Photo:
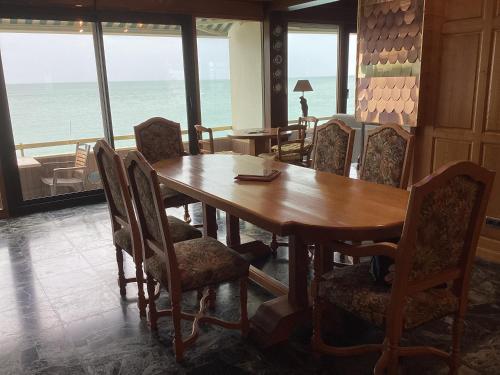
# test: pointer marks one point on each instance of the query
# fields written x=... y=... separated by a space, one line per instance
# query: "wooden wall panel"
x=446 y=150
x=491 y=160
x=464 y=9
x=493 y=110
x=458 y=80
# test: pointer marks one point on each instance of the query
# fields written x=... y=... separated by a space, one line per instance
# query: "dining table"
x=308 y=206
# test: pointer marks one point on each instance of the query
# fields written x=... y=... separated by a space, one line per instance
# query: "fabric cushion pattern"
x=443 y=222
x=160 y=141
x=123 y=239
x=202 y=262
x=114 y=185
x=384 y=158
x=331 y=149
x=352 y=289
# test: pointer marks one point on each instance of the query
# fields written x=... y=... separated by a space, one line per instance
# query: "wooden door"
x=462 y=112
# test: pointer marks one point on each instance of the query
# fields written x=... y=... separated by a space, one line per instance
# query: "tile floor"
x=61 y=312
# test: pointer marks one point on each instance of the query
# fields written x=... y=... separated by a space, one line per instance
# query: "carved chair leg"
x=457 y=331
x=141 y=299
x=243 y=306
x=274 y=246
x=187 y=216
x=153 y=315
x=177 y=320
x=121 y=274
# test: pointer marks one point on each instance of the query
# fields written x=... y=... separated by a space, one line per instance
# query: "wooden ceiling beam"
x=292 y=5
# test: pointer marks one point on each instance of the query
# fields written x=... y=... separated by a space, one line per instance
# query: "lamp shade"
x=303 y=85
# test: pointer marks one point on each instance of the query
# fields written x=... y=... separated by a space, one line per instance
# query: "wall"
x=245 y=56
x=461 y=111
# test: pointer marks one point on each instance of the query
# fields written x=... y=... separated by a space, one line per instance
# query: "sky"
x=45 y=58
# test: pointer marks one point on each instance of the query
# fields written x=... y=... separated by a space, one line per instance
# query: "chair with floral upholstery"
x=159 y=139
x=387 y=156
x=125 y=230
x=198 y=264
x=332 y=149
x=432 y=268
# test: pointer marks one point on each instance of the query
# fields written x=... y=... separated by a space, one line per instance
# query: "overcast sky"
x=38 y=58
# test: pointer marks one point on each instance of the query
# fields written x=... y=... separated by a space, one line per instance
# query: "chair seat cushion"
x=352 y=289
x=202 y=262
x=293 y=147
x=179 y=230
x=284 y=158
x=173 y=198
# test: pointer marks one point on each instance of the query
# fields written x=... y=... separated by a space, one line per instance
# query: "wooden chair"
x=311 y=123
x=332 y=149
x=289 y=149
x=126 y=236
x=73 y=177
x=189 y=265
x=159 y=139
x=387 y=156
x=433 y=263
x=206 y=146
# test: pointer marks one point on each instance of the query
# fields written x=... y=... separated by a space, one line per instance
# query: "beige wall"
x=245 y=53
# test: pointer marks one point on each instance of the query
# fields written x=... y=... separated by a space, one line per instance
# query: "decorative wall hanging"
x=278 y=34
x=389 y=61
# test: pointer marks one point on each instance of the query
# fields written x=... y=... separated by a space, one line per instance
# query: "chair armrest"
x=58 y=171
x=54 y=163
x=387 y=249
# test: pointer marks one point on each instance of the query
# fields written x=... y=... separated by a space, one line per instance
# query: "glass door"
x=145 y=71
x=53 y=96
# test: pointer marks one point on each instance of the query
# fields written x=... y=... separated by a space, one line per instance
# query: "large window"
x=50 y=73
x=145 y=73
x=312 y=56
x=230 y=71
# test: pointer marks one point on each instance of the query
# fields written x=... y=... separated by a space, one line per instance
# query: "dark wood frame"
x=409 y=139
x=403 y=287
x=170 y=270
x=117 y=222
x=201 y=142
x=350 y=142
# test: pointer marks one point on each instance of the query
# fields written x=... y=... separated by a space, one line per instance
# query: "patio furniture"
x=206 y=146
x=73 y=177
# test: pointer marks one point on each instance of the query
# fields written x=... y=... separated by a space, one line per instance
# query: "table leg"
x=209 y=221
x=232 y=231
x=275 y=319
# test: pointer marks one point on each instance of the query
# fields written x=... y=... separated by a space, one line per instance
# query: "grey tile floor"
x=61 y=312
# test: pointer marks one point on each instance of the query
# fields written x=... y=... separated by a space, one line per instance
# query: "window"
x=230 y=71
x=145 y=70
x=312 y=55
x=53 y=95
x=351 y=79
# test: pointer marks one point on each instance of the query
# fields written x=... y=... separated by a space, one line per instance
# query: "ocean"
x=60 y=111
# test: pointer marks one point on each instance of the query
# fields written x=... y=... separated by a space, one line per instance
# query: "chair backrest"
x=115 y=185
x=445 y=216
x=82 y=155
x=202 y=143
x=332 y=148
x=387 y=156
x=311 y=123
x=158 y=139
x=299 y=132
x=152 y=219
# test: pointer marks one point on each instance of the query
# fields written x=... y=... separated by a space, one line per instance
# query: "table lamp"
x=303 y=85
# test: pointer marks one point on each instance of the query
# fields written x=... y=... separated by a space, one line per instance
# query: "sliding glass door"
x=145 y=71
x=53 y=97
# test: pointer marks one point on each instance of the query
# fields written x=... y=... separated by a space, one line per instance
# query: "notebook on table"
x=265 y=175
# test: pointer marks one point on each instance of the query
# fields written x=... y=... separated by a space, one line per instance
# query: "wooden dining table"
x=259 y=138
x=309 y=207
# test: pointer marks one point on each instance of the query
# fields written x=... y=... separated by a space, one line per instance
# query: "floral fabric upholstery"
x=353 y=290
x=160 y=141
x=202 y=262
x=443 y=222
x=293 y=147
x=179 y=231
x=114 y=185
x=287 y=158
x=331 y=149
x=384 y=158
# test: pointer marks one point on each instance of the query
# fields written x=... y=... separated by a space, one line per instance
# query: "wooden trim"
x=342 y=69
